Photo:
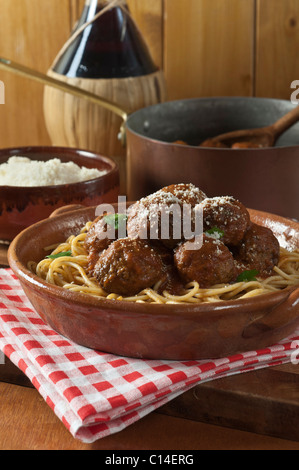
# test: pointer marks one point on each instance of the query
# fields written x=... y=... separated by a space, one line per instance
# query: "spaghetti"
x=69 y=271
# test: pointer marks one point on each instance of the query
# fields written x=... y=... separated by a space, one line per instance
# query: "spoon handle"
x=286 y=121
x=8 y=65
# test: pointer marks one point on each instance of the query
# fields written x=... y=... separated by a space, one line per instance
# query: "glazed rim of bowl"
x=264 y=301
x=96 y=157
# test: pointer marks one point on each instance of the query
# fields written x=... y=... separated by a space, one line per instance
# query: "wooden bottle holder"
x=73 y=122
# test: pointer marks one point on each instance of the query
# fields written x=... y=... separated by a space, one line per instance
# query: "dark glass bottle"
x=110 y=47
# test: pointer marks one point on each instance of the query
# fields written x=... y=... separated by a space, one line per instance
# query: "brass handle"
x=8 y=65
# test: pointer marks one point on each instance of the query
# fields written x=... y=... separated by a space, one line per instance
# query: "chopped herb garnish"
x=215 y=231
x=115 y=220
x=60 y=255
x=248 y=276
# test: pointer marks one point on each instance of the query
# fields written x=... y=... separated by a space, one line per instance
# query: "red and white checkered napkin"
x=96 y=394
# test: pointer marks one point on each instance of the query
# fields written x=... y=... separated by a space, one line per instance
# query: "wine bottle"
x=110 y=47
x=106 y=55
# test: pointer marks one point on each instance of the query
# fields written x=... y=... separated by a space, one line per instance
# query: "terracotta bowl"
x=154 y=331
x=21 y=207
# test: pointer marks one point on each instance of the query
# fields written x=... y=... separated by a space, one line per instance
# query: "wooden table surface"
x=27 y=423
x=255 y=411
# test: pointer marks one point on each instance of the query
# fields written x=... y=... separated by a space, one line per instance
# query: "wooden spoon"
x=254 y=138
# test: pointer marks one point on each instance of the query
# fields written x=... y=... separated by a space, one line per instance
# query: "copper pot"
x=264 y=179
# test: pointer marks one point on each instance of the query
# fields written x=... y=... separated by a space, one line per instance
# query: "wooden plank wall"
x=205 y=47
x=208 y=47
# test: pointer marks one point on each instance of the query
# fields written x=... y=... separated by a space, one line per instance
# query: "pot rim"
x=133 y=115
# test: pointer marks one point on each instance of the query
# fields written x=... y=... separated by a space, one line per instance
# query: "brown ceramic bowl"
x=21 y=207
x=154 y=331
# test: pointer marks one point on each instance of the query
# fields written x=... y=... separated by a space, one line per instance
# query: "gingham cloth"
x=96 y=394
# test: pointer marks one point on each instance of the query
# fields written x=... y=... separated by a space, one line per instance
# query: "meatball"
x=228 y=215
x=160 y=216
x=259 y=250
x=209 y=265
x=128 y=266
x=171 y=281
x=101 y=234
x=96 y=241
x=186 y=193
x=157 y=217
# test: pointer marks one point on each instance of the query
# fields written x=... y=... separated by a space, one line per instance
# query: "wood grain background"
x=205 y=47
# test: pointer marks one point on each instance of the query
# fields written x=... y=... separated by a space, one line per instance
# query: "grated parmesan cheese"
x=21 y=171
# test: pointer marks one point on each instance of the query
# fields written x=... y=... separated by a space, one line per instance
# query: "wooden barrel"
x=73 y=122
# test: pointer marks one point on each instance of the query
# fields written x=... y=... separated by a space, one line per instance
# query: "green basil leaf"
x=248 y=276
x=60 y=255
x=115 y=220
x=215 y=230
